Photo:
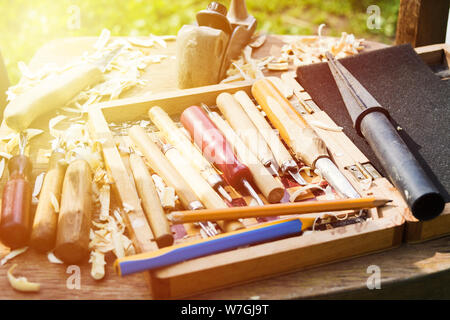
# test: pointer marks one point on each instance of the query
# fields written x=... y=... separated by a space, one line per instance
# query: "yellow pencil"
x=278 y=209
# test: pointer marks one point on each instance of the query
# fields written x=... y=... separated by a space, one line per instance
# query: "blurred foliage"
x=26 y=25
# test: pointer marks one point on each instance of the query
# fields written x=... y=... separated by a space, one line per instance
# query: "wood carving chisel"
x=246 y=130
x=54 y=92
x=74 y=222
x=217 y=149
x=43 y=234
x=372 y=122
x=201 y=188
x=281 y=154
x=150 y=201
x=300 y=136
x=159 y=163
x=227 y=241
x=16 y=223
x=178 y=139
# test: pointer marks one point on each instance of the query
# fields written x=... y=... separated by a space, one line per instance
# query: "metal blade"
x=224 y=193
x=252 y=192
x=336 y=179
x=103 y=63
x=297 y=177
x=345 y=79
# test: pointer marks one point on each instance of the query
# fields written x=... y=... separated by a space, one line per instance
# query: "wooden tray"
x=383 y=231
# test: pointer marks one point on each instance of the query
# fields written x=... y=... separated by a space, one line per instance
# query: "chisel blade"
x=350 y=88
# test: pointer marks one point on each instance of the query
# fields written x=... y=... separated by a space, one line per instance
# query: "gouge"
x=178 y=139
x=270 y=187
x=74 y=222
x=300 y=136
x=15 y=223
x=246 y=130
x=43 y=234
x=227 y=241
x=281 y=154
x=164 y=168
x=201 y=188
x=54 y=92
x=150 y=201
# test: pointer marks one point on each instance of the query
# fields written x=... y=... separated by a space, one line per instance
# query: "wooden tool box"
x=382 y=230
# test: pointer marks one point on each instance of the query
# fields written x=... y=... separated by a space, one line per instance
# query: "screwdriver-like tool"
x=281 y=154
x=43 y=234
x=300 y=136
x=246 y=130
x=200 y=187
x=178 y=139
x=15 y=223
x=372 y=122
x=217 y=149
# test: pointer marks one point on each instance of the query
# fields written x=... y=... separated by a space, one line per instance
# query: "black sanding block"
x=417 y=100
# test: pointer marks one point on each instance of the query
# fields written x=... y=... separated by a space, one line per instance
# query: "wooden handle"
x=74 y=223
x=150 y=202
x=270 y=187
x=302 y=139
x=244 y=127
x=15 y=222
x=177 y=138
x=281 y=154
x=162 y=167
x=43 y=234
x=50 y=94
x=201 y=188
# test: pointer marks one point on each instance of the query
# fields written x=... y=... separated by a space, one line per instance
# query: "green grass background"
x=25 y=25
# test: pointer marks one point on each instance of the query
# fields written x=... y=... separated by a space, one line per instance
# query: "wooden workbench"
x=410 y=271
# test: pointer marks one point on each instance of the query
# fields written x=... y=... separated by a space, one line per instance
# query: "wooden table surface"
x=409 y=271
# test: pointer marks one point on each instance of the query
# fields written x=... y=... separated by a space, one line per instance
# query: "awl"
x=371 y=121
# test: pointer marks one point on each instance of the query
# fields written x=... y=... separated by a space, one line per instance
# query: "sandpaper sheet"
x=417 y=100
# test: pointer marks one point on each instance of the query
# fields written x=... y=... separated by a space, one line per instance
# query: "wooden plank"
x=422 y=22
x=173 y=102
x=124 y=186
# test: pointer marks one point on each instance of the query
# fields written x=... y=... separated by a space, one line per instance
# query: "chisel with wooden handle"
x=159 y=163
x=178 y=139
x=184 y=251
x=271 y=188
x=245 y=129
x=217 y=149
x=74 y=222
x=15 y=223
x=54 y=92
x=150 y=201
x=300 y=136
x=43 y=234
x=201 y=188
x=281 y=154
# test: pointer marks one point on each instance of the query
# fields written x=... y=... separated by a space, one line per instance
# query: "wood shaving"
x=38 y=184
x=21 y=283
x=12 y=255
x=53 y=259
x=283 y=66
x=97 y=259
x=303 y=191
x=6 y=155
